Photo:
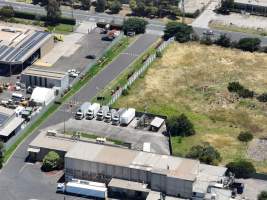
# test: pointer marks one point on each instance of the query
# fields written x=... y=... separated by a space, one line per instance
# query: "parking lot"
x=159 y=142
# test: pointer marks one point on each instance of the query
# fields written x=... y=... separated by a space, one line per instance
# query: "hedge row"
x=32 y=16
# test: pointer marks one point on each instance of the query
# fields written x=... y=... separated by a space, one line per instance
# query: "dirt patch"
x=258 y=149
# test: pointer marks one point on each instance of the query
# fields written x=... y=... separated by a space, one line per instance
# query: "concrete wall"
x=47 y=46
x=158 y=182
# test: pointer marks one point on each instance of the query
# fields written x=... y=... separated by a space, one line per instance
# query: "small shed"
x=156 y=124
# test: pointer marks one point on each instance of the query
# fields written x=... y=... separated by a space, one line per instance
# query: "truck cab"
x=61 y=188
x=79 y=115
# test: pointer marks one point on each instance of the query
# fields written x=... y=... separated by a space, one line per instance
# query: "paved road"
x=201 y=25
x=22 y=181
x=80 y=15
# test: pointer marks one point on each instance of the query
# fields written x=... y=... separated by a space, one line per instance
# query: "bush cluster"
x=240 y=90
x=205 y=153
x=241 y=169
x=180 y=126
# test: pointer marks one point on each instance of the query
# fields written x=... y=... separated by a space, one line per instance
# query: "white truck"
x=92 y=111
x=83 y=188
x=82 y=110
x=127 y=116
x=109 y=115
x=116 y=117
x=102 y=113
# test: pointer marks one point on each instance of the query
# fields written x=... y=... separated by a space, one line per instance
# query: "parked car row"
x=104 y=113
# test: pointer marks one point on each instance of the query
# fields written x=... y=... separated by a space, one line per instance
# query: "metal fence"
x=137 y=74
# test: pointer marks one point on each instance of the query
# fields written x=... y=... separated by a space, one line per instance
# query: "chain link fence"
x=137 y=74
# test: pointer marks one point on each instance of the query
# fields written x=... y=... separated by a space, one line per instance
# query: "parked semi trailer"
x=83 y=188
x=127 y=116
x=92 y=111
x=116 y=117
x=102 y=113
x=82 y=110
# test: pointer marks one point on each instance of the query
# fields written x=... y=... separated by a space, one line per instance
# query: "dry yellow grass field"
x=192 y=79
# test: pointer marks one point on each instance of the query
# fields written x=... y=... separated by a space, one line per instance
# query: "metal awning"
x=33 y=150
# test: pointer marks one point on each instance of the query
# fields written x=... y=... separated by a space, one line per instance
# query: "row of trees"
x=185 y=33
x=153 y=8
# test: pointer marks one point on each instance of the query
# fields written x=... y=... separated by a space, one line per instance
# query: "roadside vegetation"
x=107 y=58
x=53 y=22
x=195 y=80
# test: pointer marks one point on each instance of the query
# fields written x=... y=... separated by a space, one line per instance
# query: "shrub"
x=245 y=136
x=158 y=54
x=241 y=168
x=223 y=41
x=51 y=161
x=205 y=153
x=234 y=87
x=125 y=92
x=206 y=40
x=245 y=93
x=134 y=24
x=262 y=195
x=7 y=12
x=180 y=125
x=262 y=97
x=249 y=44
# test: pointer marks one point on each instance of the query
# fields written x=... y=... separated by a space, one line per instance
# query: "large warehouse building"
x=121 y=168
x=20 y=47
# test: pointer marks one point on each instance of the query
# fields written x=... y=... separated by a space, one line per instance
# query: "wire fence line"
x=137 y=74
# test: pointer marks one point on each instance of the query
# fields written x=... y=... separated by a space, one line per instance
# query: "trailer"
x=83 y=188
x=109 y=115
x=92 y=111
x=116 y=117
x=82 y=110
x=127 y=116
x=102 y=113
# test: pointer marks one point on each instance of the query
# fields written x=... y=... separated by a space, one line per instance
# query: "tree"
x=7 y=12
x=241 y=168
x=262 y=97
x=1 y=154
x=134 y=24
x=245 y=93
x=205 y=153
x=181 y=32
x=223 y=41
x=262 y=195
x=53 y=11
x=86 y=4
x=115 y=7
x=245 y=136
x=180 y=126
x=101 y=5
x=249 y=44
x=52 y=161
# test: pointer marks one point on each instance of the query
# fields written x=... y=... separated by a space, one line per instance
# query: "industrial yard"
x=201 y=74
